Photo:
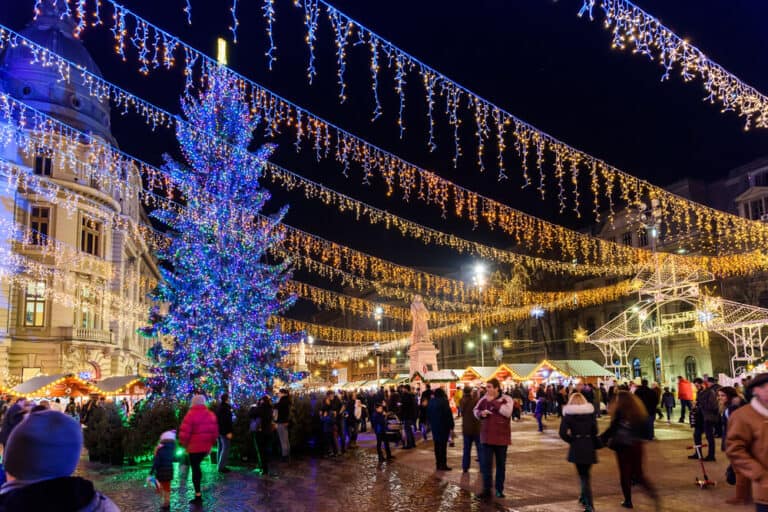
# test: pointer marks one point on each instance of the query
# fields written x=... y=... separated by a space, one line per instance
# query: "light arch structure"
x=664 y=284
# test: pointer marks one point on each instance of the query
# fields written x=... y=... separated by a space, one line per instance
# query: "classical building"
x=75 y=282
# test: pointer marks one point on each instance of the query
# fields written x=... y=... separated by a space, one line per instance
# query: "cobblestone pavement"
x=538 y=479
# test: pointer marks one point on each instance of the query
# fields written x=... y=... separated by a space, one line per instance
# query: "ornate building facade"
x=73 y=289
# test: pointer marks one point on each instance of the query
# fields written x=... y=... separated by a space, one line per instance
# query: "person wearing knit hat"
x=198 y=433
x=41 y=454
x=162 y=466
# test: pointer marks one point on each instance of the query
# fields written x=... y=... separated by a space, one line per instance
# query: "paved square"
x=538 y=479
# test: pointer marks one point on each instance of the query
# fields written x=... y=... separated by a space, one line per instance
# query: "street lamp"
x=479 y=279
x=378 y=314
x=651 y=220
x=310 y=339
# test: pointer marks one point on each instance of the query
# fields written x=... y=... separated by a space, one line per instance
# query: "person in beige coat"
x=747 y=441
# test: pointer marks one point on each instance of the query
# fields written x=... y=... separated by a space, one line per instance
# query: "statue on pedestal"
x=422 y=353
x=420 y=316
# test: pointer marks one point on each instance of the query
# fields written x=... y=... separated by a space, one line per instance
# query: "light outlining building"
x=74 y=284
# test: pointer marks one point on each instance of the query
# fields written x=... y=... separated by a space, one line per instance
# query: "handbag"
x=622 y=437
x=730 y=475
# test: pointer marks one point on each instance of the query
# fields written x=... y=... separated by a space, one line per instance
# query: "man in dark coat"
x=441 y=421
x=224 y=419
x=283 y=417
x=408 y=415
x=470 y=426
x=650 y=400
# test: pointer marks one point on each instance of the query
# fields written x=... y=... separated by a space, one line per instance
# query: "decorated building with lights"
x=75 y=278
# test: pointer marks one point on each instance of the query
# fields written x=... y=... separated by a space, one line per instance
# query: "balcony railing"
x=83 y=334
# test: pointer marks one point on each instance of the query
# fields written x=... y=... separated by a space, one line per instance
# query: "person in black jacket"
x=283 y=417
x=379 y=426
x=162 y=466
x=12 y=417
x=408 y=415
x=651 y=401
x=264 y=431
x=224 y=419
x=578 y=428
x=441 y=420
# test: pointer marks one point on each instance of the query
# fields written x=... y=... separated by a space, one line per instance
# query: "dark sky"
x=533 y=57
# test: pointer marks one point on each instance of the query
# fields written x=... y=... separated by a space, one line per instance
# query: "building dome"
x=41 y=88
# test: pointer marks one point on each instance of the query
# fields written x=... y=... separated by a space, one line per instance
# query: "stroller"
x=394 y=429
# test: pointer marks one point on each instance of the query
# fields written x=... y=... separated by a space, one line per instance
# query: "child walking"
x=162 y=466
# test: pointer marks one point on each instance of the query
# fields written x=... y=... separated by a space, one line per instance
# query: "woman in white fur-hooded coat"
x=578 y=428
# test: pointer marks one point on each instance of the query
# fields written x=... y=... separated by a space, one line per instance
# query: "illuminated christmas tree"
x=221 y=289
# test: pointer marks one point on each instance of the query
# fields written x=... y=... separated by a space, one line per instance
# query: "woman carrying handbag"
x=624 y=436
x=578 y=428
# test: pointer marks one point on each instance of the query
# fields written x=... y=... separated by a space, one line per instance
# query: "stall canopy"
x=569 y=368
x=122 y=385
x=440 y=376
x=513 y=371
x=61 y=385
x=473 y=373
x=400 y=378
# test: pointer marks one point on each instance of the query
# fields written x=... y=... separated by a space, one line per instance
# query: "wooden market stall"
x=512 y=373
x=63 y=385
x=476 y=375
x=567 y=370
x=124 y=389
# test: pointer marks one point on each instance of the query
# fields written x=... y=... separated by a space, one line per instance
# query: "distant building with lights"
x=63 y=299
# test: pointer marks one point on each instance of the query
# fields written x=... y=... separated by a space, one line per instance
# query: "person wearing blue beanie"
x=41 y=454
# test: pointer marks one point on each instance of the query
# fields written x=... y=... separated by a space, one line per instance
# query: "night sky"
x=535 y=58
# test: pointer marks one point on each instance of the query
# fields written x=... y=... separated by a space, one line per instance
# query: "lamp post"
x=479 y=279
x=378 y=314
x=651 y=219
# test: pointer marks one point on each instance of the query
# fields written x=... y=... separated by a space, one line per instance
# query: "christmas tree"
x=220 y=288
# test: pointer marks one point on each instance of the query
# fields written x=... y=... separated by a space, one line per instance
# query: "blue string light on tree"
x=221 y=290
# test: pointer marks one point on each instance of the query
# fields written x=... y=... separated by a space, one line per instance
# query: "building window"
x=39 y=220
x=520 y=332
x=89 y=310
x=43 y=162
x=626 y=238
x=690 y=368
x=637 y=370
x=591 y=325
x=90 y=236
x=642 y=237
x=757 y=209
x=34 y=304
x=658 y=369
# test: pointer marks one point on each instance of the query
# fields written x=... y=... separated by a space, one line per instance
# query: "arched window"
x=690 y=368
x=617 y=369
x=637 y=370
x=762 y=299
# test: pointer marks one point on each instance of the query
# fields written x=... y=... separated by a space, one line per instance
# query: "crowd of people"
x=42 y=442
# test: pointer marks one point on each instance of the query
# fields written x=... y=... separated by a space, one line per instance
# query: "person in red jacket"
x=198 y=433
x=494 y=410
x=685 y=395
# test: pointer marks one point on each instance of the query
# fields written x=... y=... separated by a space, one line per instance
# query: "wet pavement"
x=538 y=479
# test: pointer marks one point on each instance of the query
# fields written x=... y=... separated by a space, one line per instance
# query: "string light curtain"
x=493 y=212
x=635 y=29
x=540 y=153
x=329 y=141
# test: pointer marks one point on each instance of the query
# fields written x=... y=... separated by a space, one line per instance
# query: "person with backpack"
x=706 y=414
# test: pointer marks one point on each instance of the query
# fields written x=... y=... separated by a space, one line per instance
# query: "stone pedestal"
x=423 y=357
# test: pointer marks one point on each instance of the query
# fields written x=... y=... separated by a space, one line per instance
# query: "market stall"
x=566 y=371
x=125 y=390
x=512 y=373
x=476 y=375
x=63 y=385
